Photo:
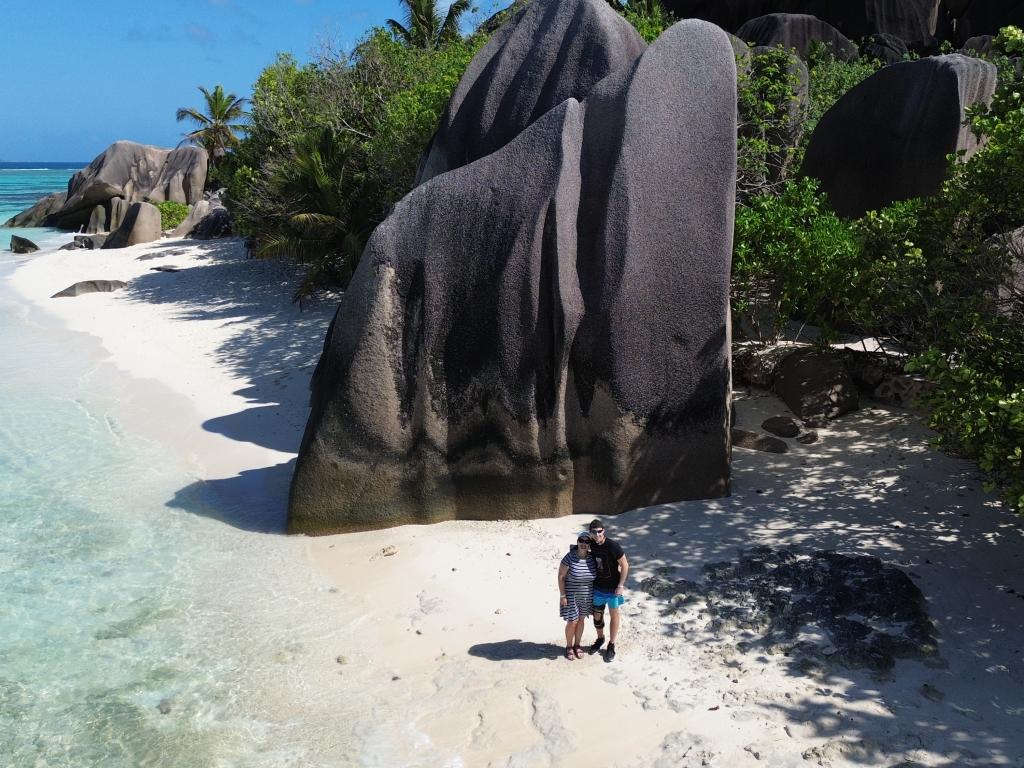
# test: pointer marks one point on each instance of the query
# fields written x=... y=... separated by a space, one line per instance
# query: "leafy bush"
x=334 y=145
x=792 y=257
x=771 y=90
x=171 y=214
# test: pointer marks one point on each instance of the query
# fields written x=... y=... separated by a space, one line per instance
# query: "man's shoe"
x=609 y=655
x=597 y=645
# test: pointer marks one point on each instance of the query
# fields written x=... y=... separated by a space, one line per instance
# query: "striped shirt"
x=579 y=585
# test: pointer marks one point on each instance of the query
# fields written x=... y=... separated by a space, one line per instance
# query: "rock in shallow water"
x=22 y=245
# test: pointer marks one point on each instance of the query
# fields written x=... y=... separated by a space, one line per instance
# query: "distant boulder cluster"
x=541 y=327
x=113 y=198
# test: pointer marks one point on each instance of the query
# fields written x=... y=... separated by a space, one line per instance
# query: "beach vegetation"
x=171 y=214
x=649 y=17
x=218 y=122
x=334 y=144
x=425 y=26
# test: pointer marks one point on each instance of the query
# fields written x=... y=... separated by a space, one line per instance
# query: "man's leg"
x=599 y=626
x=613 y=629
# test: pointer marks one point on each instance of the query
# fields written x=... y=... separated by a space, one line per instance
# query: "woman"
x=576 y=575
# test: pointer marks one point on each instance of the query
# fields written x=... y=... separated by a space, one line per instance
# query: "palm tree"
x=216 y=131
x=424 y=27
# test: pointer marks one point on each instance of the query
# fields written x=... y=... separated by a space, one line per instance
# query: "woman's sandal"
x=569 y=653
x=578 y=651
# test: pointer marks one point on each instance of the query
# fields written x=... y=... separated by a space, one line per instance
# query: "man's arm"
x=623 y=571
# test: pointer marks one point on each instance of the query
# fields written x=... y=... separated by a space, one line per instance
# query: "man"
x=612 y=569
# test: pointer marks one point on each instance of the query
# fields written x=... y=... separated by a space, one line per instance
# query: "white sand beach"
x=445 y=640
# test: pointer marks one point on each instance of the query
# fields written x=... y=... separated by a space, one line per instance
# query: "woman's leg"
x=570 y=632
x=580 y=625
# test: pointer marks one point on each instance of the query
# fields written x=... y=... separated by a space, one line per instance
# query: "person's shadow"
x=516 y=650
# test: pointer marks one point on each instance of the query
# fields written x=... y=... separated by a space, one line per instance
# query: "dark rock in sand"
x=216 y=223
x=816 y=386
x=797 y=31
x=551 y=51
x=808 y=438
x=865 y=613
x=752 y=441
x=85 y=242
x=97 y=220
x=166 y=268
x=90 y=286
x=887 y=139
x=783 y=426
x=493 y=355
x=23 y=245
x=141 y=225
x=888 y=49
x=37 y=215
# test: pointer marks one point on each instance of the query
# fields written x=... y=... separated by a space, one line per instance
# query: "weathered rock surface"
x=888 y=49
x=132 y=172
x=987 y=17
x=862 y=612
x=118 y=210
x=816 y=386
x=797 y=31
x=97 y=220
x=141 y=225
x=783 y=426
x=218 y=222
x=23 y=245
x=492 y=357
x=195 y=215
x=887 y=139
x=90 y=286
x=85 y=242
x=553 y=50
x=918 y=22
x=38 y=213
x=752 y=441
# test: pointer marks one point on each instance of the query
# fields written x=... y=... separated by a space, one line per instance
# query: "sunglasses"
x=597 y=530
x=583 y=541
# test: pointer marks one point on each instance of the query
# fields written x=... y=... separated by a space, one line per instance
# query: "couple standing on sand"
x=590 y=578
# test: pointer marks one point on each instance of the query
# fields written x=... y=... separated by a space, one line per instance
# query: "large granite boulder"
x=651 y=359
x=22 y=245
x=887 y=139
x=38 y=213
x=797 y=31
x=987 y=17
x=182 y=176
x=441 y=391
x=132 y=172
x=141 y=225
x=544 y=330
x=551 y=51
x=918 y=22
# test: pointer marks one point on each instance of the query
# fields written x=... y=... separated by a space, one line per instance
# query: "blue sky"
x=76 y=76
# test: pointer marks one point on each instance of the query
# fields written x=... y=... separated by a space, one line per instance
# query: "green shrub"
x=171 y=214
x=792 y=257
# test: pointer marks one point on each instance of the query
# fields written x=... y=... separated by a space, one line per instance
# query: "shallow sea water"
x=136 y=628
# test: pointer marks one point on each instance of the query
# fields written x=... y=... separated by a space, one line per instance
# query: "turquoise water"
x=21 y=186
x=136 y=628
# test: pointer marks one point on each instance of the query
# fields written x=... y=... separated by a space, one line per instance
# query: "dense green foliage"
x=218 y=125
x=334 y=145
x=171 y=214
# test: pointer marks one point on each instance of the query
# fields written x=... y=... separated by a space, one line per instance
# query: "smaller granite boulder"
x=141 y=225
x=217 y=223
x=118 y=210
x=36 y=215
x=23 y=245
x=90 y=286
x=798 y=31
x=816 y=386
x=752 y=441
x=888 y=49
x=97 y=220
x=783 y=426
